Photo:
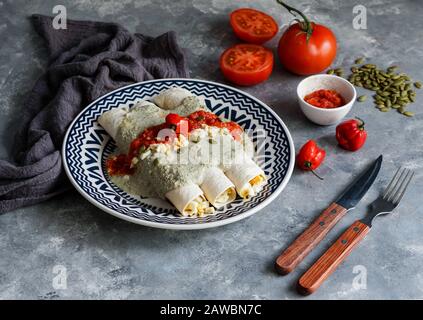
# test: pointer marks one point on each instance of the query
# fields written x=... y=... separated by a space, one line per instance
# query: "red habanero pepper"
x=351 y=134
x=310 y=157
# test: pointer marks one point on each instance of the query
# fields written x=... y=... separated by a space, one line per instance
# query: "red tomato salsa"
x=326 y=99
x=122 y=164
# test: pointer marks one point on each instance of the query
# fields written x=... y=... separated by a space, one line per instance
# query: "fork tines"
x=399 y=183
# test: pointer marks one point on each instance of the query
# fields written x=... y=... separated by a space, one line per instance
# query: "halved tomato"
x=246 y=64
x=253 y=26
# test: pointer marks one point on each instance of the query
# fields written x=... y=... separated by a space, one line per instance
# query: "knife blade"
x=318 y=229
x=353 y=194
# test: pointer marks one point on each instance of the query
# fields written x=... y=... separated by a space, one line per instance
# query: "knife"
x=320 y=227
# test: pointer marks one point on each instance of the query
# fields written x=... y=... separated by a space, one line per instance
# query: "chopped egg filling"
x=225 y=196
x=253 y=187
x=198 y=207
x=168 y=150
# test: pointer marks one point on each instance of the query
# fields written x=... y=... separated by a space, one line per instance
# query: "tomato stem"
x=305 y=25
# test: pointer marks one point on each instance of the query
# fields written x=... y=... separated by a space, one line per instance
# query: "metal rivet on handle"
x=321 y=223
x=333 y=211
x=356 y=229
x=343 y=241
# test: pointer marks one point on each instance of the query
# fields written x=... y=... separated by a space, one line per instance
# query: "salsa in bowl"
x=325 y=99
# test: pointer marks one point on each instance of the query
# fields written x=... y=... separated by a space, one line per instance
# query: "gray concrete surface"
x=109 y=258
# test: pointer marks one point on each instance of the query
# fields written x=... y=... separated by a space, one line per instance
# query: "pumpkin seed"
x=369 y=66
x=408 y=113
x=362 y=98
x=392 y=89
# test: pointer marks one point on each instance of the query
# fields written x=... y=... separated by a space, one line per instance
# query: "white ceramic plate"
x=86 y=147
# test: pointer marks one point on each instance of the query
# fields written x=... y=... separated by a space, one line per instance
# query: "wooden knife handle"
x=329 y=261
x=302 y=246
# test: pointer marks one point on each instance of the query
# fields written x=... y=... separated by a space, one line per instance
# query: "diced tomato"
x=121 y=164
x=173 y=118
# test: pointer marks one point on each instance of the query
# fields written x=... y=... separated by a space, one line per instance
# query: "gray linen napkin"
x=87 y=60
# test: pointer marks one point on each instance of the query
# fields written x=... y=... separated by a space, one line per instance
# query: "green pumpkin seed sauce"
x=161 y=168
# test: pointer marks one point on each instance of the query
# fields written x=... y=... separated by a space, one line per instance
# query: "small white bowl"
x=329 y=82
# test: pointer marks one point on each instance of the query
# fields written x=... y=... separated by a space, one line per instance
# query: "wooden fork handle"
x=329 y=261
x=302 y=246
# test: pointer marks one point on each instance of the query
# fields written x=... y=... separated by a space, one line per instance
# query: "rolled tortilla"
x=111 y=120
x=124 y=124
x=219 y=190
x=247 y=177
x=190 y=201
x=171 y=98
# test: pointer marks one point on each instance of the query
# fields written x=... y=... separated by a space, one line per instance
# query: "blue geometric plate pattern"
x=86 y=147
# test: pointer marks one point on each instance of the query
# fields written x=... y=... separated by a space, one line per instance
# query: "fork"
x=311 y=280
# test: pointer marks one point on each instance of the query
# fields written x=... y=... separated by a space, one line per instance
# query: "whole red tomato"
x=306 y=47
x=351 y=134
